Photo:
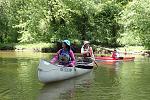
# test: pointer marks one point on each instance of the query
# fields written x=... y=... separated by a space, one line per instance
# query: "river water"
x=110 y=81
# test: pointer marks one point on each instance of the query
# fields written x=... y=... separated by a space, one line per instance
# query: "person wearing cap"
x=115 y=54
x=87 y=50
x=64 y=56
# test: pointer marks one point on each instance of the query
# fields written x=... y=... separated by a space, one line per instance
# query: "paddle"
x=95 y=63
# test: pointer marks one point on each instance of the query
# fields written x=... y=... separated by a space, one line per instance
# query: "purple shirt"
x=71 y=63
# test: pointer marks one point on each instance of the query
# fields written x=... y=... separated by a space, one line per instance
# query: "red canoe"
x=108 y=58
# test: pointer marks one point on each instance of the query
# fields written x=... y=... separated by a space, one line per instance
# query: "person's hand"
x=69 y=65
x=51 y=62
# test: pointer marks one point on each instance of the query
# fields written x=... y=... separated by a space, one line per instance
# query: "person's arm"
x=55 y=58
x=117 y=54
x=92 y=54
x=112 y=54
x=82 y=50
x=72 y=63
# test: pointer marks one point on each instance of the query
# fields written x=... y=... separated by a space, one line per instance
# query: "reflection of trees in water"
x=145 y=59
x=108 y=70
x=67 y=89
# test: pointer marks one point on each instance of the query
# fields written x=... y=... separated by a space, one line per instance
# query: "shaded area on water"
x=18 y=78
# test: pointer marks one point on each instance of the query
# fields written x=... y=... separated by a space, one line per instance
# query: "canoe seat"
x=84 y=67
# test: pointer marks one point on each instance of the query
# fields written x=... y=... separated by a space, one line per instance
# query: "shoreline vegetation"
x=36 y=47
x=54 y=47
x=24 y=24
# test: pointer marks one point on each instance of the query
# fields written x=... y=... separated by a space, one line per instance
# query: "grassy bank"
x=51 y=47
x=103 y=51
x=128 y=48
x=132 y=48
x=41 y=47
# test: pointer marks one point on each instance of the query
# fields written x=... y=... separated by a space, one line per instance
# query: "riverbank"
x=36 y=47
x=54 y=47
x=133 y=50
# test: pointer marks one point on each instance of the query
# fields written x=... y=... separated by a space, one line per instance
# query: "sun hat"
x=86 y=42
x=67 y=42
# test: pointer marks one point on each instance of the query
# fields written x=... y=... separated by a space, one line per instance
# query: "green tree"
x=53 y=20
x=136 y=21
x=3 y=22
x=106 y=24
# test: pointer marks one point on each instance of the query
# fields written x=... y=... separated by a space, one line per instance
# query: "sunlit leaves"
x=136 y=18
x=41 y=20
x=95 y=20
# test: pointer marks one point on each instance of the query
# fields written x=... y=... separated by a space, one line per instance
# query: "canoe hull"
x=50 y=73
x=107 y=58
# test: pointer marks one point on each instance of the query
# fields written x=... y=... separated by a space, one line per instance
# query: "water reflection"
x=25 y=55
x=111 y=81
x=111 y=65
x=134 y=81
x=18 y=78
x=65 y=90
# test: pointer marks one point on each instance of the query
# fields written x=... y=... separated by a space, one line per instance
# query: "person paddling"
x=87 y=51
x=64 y=56
x=115 y=54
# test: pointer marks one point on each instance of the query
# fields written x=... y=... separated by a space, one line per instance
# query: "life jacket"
x=87 y=54
x=64 y=57
x=114 y=54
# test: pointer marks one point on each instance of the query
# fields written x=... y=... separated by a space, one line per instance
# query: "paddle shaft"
x=95 y=63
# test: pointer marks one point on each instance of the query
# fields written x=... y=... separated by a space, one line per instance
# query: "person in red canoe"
x=115 y=54
x=64 y=56
x=87 y=51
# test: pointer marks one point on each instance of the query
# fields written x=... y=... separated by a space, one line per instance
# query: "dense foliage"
x=107 y=23
x=136 y=20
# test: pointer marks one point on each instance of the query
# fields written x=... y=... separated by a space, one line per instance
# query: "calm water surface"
x=110 y=81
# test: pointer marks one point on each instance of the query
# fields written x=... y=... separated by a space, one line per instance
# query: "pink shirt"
x=72 y=62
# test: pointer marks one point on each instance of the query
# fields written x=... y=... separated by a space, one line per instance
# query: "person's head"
x=115 y=50
x=86 y=43
x=66 y=44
